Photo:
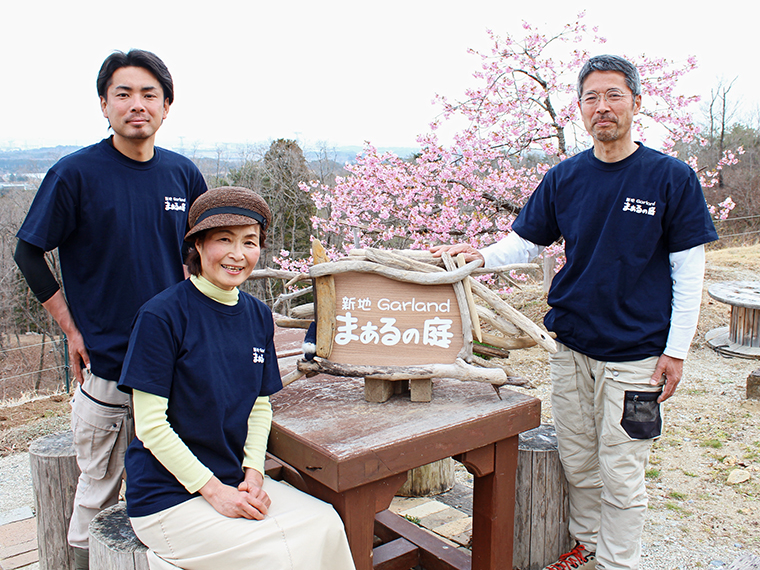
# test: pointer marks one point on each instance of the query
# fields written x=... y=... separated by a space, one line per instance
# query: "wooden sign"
x=380 y=321
x=395 y=319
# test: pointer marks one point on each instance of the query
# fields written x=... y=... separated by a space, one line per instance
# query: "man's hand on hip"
x=668 y=371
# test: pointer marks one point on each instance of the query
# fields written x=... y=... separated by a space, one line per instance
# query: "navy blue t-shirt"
x=620 y=221
x=211 y=361
x=118 y=225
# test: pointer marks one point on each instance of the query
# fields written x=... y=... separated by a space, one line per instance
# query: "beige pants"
x=298 y=533
x=101 y=436
x=604 y=465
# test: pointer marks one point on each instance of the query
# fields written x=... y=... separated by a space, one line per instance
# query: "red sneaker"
x=577 y=559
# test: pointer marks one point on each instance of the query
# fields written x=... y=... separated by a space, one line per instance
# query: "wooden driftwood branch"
x=283 y=297
x=470 y=302
x=497 y=322
x=288 y=323
x=268 y=273
x=418 y=255
x=466 y=352
x=399 y=261
x=298 y=278
x=423 y=257
x=292 y=377
x=417 y=277
x=491 y=351
x=460 y=370
x=305 y=311
x=508 y=343
x=511 y=379
x=324 y=289
x=521 y=321
x=518 y=267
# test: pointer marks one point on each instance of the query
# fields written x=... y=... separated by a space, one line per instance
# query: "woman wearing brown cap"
x=201 y=366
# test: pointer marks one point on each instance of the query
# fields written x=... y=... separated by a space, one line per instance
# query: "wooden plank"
x=417 y=311
x=352 y=441
x=399 y=554
x=434 y=553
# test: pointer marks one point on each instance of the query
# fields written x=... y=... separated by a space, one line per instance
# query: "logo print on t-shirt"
x=174 y=203
x=638 y=206
x=258 y=355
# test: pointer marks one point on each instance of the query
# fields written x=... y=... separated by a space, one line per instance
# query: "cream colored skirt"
x=298 y=533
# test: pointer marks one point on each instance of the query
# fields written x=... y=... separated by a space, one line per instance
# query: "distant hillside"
x=347 y=154
x=32 y=161
x=39 y=160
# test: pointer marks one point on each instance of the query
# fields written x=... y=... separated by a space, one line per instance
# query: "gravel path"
x=15 y=483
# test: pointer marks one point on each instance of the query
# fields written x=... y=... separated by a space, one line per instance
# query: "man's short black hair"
x=611 y=63
x=136 y=58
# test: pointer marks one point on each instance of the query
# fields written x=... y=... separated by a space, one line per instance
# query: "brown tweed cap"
x=228 y=206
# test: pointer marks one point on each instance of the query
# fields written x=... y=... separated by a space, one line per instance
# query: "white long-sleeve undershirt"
x=687 y=269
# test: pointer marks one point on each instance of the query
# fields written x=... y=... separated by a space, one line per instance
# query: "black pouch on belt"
x=641 y=415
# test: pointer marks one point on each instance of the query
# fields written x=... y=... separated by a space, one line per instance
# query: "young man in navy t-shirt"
x=117 y=212
x=624 y=307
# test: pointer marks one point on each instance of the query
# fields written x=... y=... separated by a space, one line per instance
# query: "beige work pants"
x=606 y=417
x=101 y=436
x=299 y=532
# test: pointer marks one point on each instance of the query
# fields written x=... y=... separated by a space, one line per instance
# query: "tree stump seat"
x=113 y=544
x=541 y=501
x=55 y=473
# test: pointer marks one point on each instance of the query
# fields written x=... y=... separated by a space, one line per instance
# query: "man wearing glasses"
x=624 y=307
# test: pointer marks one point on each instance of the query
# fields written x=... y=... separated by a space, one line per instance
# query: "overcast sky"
x=323 y=70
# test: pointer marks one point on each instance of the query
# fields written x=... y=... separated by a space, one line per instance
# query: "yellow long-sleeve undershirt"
x=153 y=429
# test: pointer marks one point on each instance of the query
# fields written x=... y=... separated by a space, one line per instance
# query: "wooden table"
x=355 y=455
x=742 y=336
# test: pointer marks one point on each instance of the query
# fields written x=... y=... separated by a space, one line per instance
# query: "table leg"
x=493 y=509
x=358 y=507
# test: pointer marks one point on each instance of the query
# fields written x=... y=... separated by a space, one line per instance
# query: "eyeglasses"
x=613 y=96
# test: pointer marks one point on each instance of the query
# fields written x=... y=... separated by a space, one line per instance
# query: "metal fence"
x=33 y=364
x=740 y=229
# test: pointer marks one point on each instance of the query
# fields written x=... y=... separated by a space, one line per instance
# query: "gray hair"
x=611 y=63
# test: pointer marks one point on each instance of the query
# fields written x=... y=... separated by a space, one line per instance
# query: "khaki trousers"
x=102 y=432
x=298 y=533
x=604 y=465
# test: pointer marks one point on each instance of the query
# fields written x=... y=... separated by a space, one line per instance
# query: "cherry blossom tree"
x=521 y=118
